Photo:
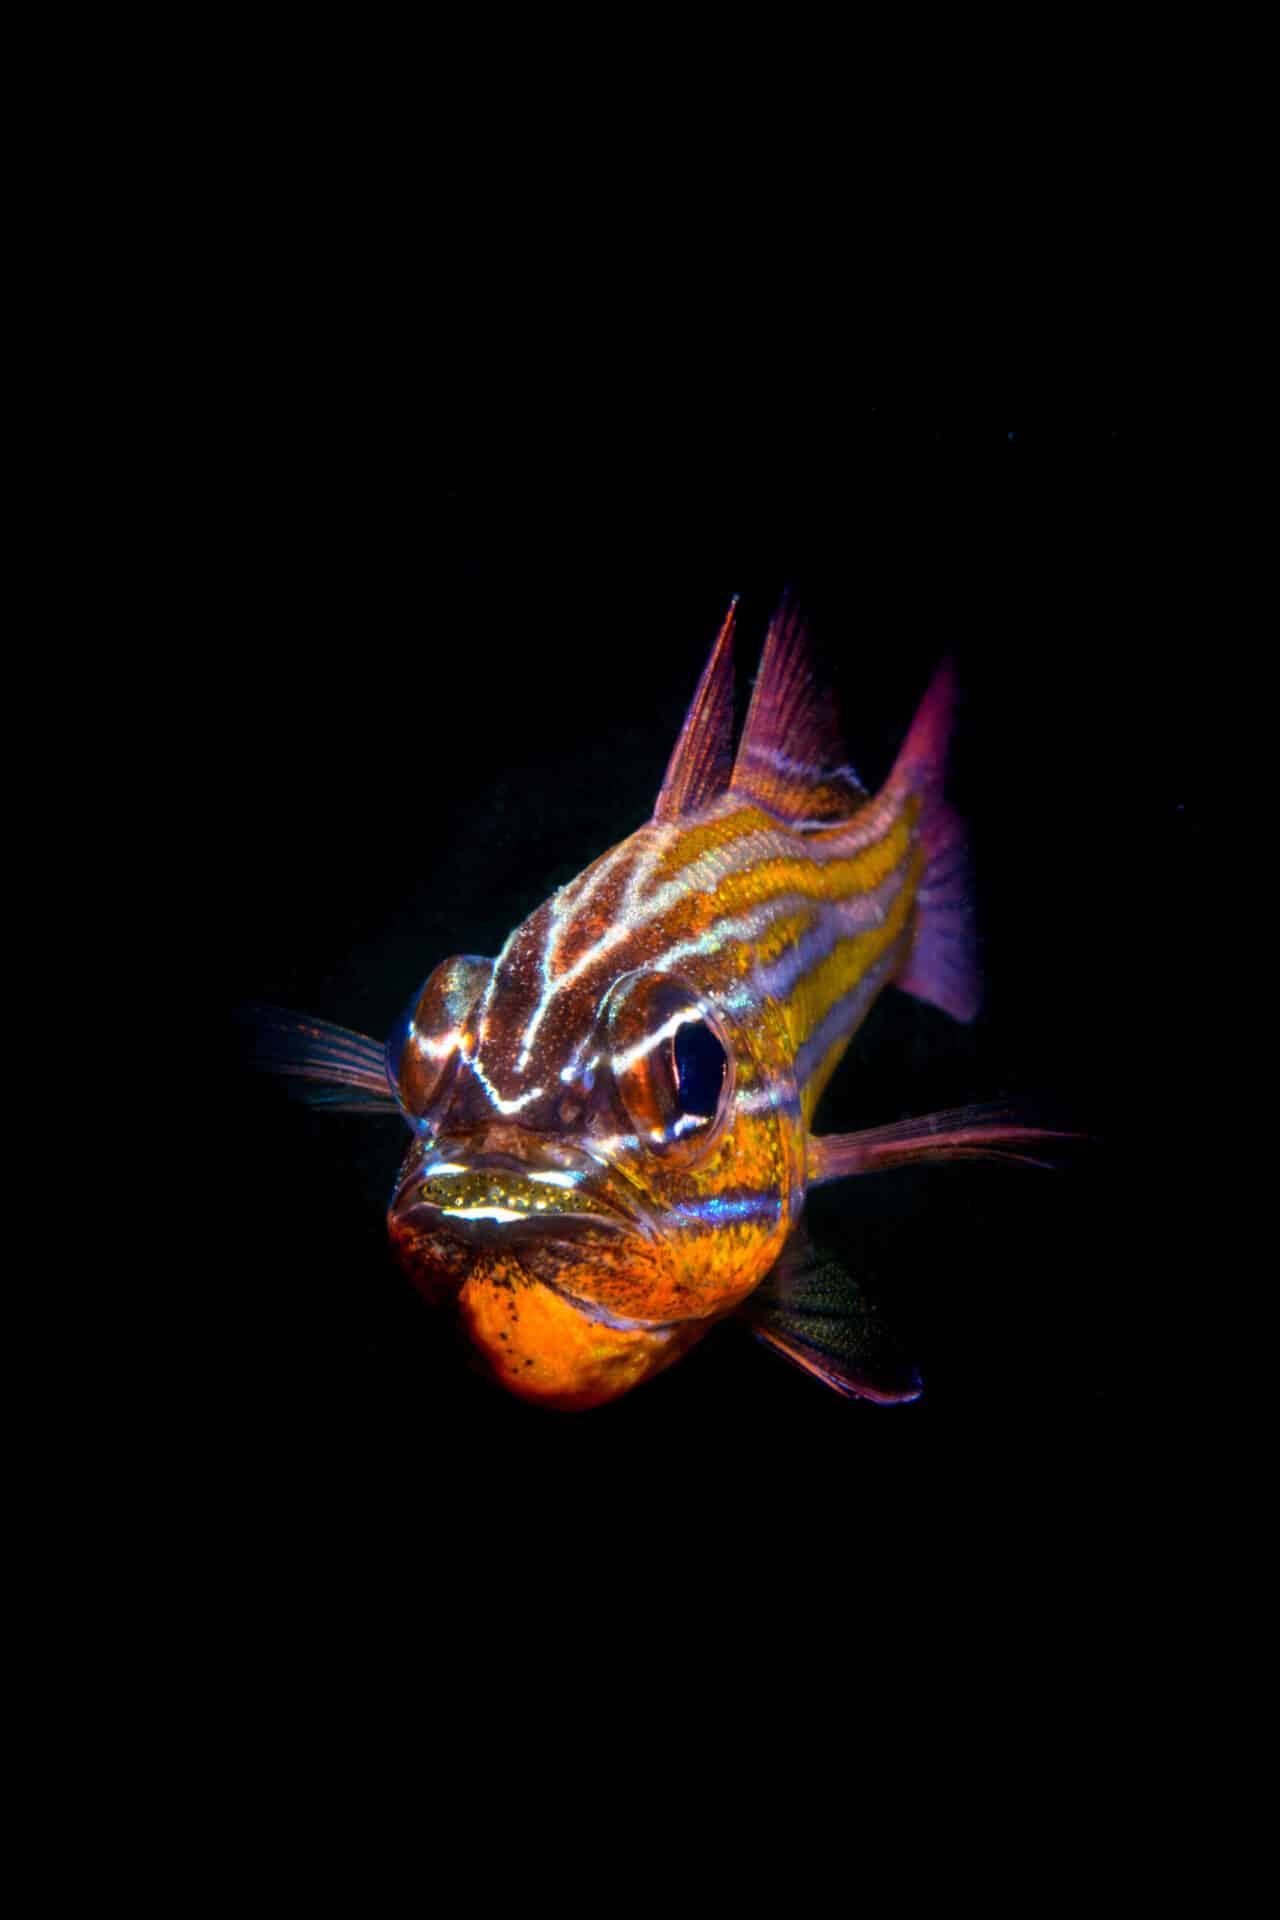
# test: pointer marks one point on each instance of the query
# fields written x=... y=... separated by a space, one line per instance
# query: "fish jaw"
x=508 y=1237
x=553 y=1351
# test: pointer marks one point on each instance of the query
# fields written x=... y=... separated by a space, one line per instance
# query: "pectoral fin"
x=328 y=1066
x=812 y=1310
x=990 y=1132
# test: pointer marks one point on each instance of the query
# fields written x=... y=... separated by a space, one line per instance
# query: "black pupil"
x=700 y=1065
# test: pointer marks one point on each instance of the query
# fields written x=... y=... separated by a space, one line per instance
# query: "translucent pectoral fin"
x=327 y=1066
x=990 y=1132
x=812 y=1311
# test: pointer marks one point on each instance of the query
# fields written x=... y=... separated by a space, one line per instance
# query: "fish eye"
x=423 y=1049
x=700 y=1066
x=670 y=1063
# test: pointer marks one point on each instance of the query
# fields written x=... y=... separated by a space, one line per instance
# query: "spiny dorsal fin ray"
x=791 y=757
x=702 y=758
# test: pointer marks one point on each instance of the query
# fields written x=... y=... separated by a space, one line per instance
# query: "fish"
x=612 y=1122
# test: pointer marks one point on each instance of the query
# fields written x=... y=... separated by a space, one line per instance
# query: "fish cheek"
x=732 y=1223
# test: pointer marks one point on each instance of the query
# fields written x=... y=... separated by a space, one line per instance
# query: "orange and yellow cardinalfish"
x=612 y=1120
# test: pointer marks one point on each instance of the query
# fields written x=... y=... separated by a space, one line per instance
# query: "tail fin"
x=943 y=967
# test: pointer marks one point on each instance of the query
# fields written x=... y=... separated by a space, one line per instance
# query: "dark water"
x=444 y=688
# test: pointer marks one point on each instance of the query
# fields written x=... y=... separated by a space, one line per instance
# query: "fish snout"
x=496 y=1190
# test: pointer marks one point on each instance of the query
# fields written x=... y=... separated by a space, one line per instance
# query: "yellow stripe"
x=832 y=880
x=712 y=838
x=747 y=955
x=814 y=995
x=722 y=835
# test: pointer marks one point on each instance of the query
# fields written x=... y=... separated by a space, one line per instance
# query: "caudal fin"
x=943 y=966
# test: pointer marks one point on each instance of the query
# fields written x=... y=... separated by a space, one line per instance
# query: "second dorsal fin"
x=791 y=758
x=702 y=758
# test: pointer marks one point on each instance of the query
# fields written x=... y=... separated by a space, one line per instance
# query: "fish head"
x=606 y=1157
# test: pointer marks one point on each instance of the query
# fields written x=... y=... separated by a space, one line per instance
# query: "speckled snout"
x=475 y=1181
x=457 y=1197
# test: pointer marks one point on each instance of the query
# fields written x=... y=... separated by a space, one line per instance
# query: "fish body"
x=612 y=1121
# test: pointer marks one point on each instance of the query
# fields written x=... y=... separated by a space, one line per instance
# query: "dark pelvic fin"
x=337 y=1070
x=943 y=966
x=990 y=1132
x=791 y=757
x=812 y=1310
x=702 y=758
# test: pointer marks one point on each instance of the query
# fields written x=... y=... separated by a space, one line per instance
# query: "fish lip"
x=617 y=1215
x=424 y=1216
x=618 y=1211
x=413 y=1215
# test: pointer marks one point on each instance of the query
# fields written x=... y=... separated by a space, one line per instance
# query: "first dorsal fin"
x=702 y=758
x=791 y=758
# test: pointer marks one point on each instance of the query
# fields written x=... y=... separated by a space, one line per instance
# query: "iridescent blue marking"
x=720 y=1209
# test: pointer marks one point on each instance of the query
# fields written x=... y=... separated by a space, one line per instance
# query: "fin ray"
x=944 y=966
x=702 y=758
x=991 y=1131
x=342 y=1071
x=812 y=1311
x=791 y=758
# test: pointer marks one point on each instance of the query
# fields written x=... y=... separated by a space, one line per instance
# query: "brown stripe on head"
x=589 y=909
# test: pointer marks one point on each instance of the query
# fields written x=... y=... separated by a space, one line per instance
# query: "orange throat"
x=542 y=1346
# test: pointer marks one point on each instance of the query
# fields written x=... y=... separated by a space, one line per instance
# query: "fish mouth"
x=495 y=1197
x=556 y=1216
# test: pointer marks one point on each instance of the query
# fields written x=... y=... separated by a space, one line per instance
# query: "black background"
x=447 y=655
